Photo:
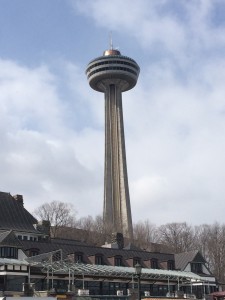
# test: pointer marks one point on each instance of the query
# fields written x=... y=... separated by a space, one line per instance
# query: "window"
x=98 y=260
x=19 y=237
x=136 y=260
x=196 y=267
x=23 y=268
x=170 y=265
x=118 y=261
x=25 y=238
x=34 y=251
x=8 y=252
x=79 y=257
x=154 y=263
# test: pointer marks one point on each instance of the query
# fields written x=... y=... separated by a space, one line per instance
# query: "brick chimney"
x=19 y=199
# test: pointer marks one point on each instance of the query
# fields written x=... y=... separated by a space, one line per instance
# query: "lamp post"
x=138 y=269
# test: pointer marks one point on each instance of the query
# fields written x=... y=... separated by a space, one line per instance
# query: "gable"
x=9 y=239
x=199 y=258
x=184 y=258
x=13 y=215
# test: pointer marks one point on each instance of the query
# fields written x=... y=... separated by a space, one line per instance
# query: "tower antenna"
x=110 y=41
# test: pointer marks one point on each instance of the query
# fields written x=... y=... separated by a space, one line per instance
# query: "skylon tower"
x=113 y=74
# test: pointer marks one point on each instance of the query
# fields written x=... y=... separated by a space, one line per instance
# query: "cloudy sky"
x=52 y=122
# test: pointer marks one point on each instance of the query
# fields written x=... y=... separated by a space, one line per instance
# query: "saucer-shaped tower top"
x=112 y=66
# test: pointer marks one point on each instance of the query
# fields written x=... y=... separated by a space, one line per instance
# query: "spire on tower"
x=111 y=51
x=110 y=41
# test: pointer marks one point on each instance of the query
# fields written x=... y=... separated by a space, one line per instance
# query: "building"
x=29 y=256
x=113 y=74
x=193 y=261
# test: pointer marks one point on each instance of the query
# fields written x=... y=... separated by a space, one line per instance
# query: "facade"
x=113 y=74
x=29 y=256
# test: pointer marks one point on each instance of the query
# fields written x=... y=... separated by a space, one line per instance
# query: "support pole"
x=48 y=279
x=139 y=287
x=69 y=281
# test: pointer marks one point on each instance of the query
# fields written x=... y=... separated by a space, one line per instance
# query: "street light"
x=138 y=269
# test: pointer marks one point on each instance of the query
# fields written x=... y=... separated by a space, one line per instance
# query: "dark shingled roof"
x=69 y=247
x=14 y=216
x=182 y=259
x=9 y=239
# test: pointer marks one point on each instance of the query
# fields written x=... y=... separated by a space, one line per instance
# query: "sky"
x=52 y=122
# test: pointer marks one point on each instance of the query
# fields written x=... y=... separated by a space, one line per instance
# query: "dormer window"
x=33 y=252
x=136 y=260
x=170 y=265
x=79 y=257
x=118 y=261
x=154 y=263
x=98 y=259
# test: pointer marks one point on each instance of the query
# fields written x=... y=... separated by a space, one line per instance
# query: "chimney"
x=19 y=199
x=44 y=227
x=117 y=238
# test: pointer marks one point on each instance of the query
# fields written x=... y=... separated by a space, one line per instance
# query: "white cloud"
x=42 y=157
x=181 y=29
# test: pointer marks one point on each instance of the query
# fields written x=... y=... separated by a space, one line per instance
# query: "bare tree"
x=145 y=234
x=202 y=235
x=59 y=214
x=216 y=250
x=178 y=236
x=94 y=231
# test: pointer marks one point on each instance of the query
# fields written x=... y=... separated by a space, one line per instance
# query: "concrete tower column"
x=113 y=74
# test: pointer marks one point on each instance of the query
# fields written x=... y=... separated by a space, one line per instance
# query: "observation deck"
x=110 y=68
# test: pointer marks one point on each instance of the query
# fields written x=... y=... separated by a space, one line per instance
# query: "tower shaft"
x=117 y=210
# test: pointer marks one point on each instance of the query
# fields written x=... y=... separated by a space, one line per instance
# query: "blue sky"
x=52 y=123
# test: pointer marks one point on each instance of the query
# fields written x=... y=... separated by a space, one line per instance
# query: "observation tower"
x=113 y=74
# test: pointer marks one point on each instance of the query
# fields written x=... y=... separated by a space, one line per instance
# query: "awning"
x=47 y=264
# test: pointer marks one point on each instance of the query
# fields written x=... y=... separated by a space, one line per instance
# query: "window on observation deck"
x=113 y=62
x=111 y=69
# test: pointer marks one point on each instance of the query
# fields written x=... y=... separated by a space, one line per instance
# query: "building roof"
x=184 y=258
x=8 y=238
x=10 y=261
x=13 y=215
x=71 y=247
